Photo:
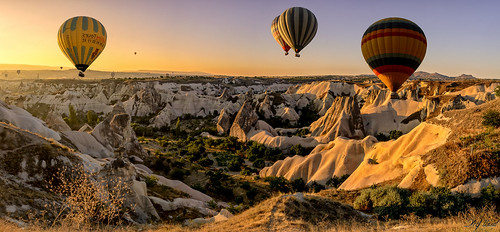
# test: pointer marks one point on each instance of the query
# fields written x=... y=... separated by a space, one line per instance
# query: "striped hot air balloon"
x=277 y=36
x=82 y=40
x=297 y=26
x=393 y=48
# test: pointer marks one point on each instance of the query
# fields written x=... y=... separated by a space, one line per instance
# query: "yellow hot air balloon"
x=393 y=48
x=82 y=39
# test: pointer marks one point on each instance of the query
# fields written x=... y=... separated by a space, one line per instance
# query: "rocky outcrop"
x=397 y=160
x=87 y=144
x=223 y=122
x=289 y=114
x=56 y=122
x=115 y=133
x=264 y=108
x=143 y=103
x=342 y=119
x=244 y=121
x=339 y=157
x=22 y=119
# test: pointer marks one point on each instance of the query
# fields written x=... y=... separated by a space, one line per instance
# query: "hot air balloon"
x=82 y=40
x=18 y=71
x=61 y=68
x=297 y=26
x=277 y=36
x=135 y=53
x=393 y=48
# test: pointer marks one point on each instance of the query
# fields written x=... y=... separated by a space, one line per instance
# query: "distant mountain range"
x=437 y=76
x=9 y=71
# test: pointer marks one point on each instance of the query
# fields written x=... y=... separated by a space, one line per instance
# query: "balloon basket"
x=297 y=55
x=81 y=74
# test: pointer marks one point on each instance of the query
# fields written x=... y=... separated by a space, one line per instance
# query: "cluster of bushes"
x=393 y=134
x=336 y=181
x=491 y=118
x=393 y=202
x=280 y=184
x=77 y=119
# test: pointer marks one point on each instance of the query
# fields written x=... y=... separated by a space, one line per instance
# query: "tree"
x=497 y=91
x=92 y=118
x=72 y=119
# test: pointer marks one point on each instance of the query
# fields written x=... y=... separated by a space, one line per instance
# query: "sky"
x=232 y=37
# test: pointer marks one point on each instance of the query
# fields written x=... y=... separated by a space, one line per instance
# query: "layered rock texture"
x=343 y=118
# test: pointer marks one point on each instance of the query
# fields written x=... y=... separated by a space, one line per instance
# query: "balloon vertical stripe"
x=297 y=26
x=81 y=41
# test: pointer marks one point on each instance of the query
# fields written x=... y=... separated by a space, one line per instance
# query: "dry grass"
x=286 y=213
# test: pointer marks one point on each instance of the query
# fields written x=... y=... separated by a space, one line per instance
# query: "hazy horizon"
x=233 y=37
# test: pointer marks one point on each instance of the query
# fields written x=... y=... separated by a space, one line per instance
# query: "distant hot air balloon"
x=297 y=26
x=61 y=68
x=276 y=34
x=18 y=71
x=393 y=48
x=135 y=53
x=82 y=40
x=112 y=74
x=6 y=75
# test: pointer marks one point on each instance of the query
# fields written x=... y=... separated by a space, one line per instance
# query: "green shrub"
x=491 y=118
x=497 y=91
x=259 y=163
x=279 y=184
x=490 y=196
x=387 y=201
x=298 y=185
x=316 y=187
x=206 y=162
x=336 y=181
x=297 y=149
x=395 y=134
x=151 y=181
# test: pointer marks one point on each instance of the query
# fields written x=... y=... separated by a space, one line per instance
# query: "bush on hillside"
x=491 y=118
x=336 y=181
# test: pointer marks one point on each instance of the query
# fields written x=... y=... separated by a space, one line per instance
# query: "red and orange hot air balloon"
x=277 y=36
x=393 y=48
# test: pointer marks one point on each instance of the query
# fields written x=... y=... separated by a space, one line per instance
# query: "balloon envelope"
x=297 y=26
x=276 y=34
x=393 y=48
x=82 y=40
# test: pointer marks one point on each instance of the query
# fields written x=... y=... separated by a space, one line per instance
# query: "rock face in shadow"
x=115 y=132
x=224 y=122
x=244 y=121
x=342 y=119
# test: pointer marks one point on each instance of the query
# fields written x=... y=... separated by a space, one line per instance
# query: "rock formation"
x=342 y=119
x=339 y=157
x=244 y=121
x=115 y=133
x=223 y=122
